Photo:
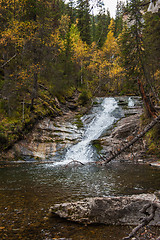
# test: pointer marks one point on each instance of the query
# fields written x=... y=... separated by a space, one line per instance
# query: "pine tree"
x=151 y=35
x=84 y=21
x=102 y=23
x=119 y=18
x=131 y=44
x=134 y=54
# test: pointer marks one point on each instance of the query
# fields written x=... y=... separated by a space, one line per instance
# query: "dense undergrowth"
x=16 y=127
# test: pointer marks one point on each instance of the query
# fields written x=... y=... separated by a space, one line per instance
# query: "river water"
x=27 y=190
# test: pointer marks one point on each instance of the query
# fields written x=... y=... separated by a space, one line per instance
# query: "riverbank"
x=125 y=130
x=30 y=186
x=50 y=134
x=27 y=132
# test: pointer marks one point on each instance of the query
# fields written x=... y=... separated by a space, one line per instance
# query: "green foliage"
x=97 y=145
x=49 y=49
x=153 y=140
x=152 y=137
x=131 y=46
x=84 y=97
x=102 y=22
x=84 y=20
x=119 y=18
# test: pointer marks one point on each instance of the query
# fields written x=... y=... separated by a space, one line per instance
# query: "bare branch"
x=146 y=220
x=75 y=162
x=8 y=60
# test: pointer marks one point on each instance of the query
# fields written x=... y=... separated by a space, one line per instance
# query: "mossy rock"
x=97 y=145
x=84 y=97
x=153 y=140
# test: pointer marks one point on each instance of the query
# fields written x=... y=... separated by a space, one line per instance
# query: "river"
x=27 y=190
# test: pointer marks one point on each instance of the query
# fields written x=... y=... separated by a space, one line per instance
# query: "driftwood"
x=146 y=220
x=130 y=143
x=75 y=162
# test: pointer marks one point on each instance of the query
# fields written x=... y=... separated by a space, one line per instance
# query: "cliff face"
x=46 y=138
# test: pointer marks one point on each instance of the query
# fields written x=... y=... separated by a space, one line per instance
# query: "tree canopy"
x=65 y=46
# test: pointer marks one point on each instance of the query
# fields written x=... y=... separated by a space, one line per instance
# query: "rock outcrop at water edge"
x=121 y=210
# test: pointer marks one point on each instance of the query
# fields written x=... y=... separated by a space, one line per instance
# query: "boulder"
x=126 y=127
x=121 y=210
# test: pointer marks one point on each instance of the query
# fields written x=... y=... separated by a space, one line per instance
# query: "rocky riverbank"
x=121 y=210
x=47 y=135
x=43 y=141
x=125 y=130
x=50 y=135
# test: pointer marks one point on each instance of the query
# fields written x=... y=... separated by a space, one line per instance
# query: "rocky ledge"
x=122 y=210
x=125 y=130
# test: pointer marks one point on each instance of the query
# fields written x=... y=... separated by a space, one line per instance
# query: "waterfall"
x=103 y=119
x=130 y=102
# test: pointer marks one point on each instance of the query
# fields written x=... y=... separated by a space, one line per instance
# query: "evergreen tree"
x=102 y=23
x=71 y=11
x=119 y=18
x=131 y=44
x=134 y=51
x=84 y=21
x=151 y=35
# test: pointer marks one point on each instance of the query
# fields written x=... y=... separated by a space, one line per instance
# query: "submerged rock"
x=122 y=210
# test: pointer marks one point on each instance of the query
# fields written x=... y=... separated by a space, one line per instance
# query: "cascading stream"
x=130 y=102
x=83 y=150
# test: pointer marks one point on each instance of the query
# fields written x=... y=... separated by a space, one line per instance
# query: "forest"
x=50 y=49
x=79 y=120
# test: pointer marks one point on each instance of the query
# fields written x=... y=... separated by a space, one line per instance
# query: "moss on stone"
x=153 y=140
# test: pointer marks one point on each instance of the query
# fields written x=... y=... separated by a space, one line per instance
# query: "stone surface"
x=155 y=164
x=44 y=140
x=126 y=129
x=123 y=210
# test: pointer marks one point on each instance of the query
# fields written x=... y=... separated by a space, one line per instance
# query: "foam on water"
x=130 y=102
x=103 y=119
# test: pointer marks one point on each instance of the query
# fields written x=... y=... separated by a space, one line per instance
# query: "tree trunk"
x=35 y=89
x=151 y=111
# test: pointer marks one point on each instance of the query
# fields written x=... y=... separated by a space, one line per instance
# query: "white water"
x=130 y=102
x=83 y=151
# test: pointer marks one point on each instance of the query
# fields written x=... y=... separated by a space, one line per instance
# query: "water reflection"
x=27 y=190
x=92 y=180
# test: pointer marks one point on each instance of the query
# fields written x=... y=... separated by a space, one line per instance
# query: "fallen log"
x=74 y=162
x=130 y=143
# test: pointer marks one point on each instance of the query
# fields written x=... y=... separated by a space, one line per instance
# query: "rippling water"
x=28 y=190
